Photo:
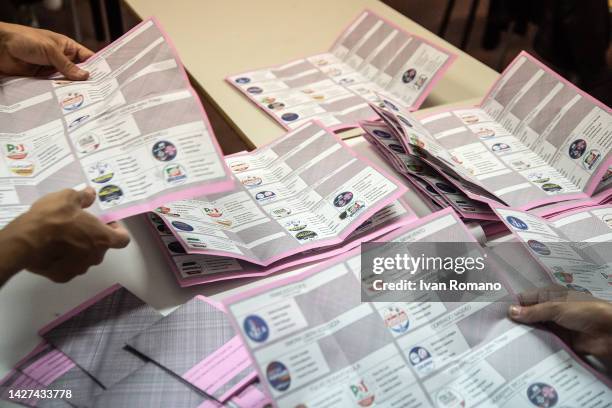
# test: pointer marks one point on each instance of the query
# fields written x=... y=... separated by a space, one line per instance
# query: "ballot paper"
x=574 y=247
x=371 y=56
x=47 y=368
x=195 y=269
x=303 y=191
x=316 y=344
x=419 y=173
x=135 y=131
x=197 y=343
x=534 y=140
x=93 y=335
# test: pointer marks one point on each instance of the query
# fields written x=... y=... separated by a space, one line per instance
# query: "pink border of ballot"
x=595 y=178
x=345 y=126
x=219 y=186
x=401 y=190
x=296 y=261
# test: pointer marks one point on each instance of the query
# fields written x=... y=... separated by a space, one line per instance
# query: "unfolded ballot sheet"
x=306 y=337
x=195 y=269
x=535 y=139
x=574 y=247
x=135 y=131
x=371 y=56
x=303 y=191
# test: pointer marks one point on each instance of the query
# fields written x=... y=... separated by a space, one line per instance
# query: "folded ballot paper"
x=371 y=56
x=135 y=131
x=315 y=342
x=116 y=351
x=302 y=192
x=534 y=140
x=573 y=247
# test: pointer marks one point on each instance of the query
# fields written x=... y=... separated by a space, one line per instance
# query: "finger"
x=63 y=64
x=87 y=196
x=542 y=312
x=119 y=236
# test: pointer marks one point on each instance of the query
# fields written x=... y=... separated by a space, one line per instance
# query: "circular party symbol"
x=281 y=212
x=183 y=226
x=243 y=80
x=254 y=90
x=408 y=75
x=306 y=235
x=415 y=168
x=397 y=148
x=538 y=247
x=470 y=119
x=538 y=178
x=88 y=143
x=72 y=101
x=276 y=105
x=564 y=277
x=551 y=187
x=251 y=181
x=418 y=84
x=445 y=188
x=362 y=394
x=78 y=121
x=343 y=199
x=175 y=174
x=517 y=223
x=164 y=151
x=352 y=209
x=213 y=212
x=239 y=167
x=346 y=81
x=420 y=359
x=278 y=376
x=578 y=288
x=542 y=395
x=100 y=172
x=500 y=147
x=294 y=225
x=396 y=319
x=256 y=328
x=22 y=168
x=381 y=133
x=110 y=194
x=15 y=151
x=404 y=120
x=485 y=133
x=607 y=218
x=449 y=398
x=591 y=158
x=577 y=148
x=265 y=195
x=390 y=105
x=176 y=247
x=289 y=117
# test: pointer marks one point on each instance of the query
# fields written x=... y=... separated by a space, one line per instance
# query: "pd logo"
x=256 y=328
x=362 y=394
x=15 y=151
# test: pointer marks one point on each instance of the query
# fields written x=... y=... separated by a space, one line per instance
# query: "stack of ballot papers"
x=535 y=140
x=316 y=342
x=304 y=197
x=116 y=351
x=371 y=56
x=135 y=131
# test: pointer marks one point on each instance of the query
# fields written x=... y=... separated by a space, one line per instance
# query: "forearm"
x=13 y=252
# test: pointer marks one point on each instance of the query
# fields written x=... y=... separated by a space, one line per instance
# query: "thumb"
x=119 y=236
x=86 y=197
x=541 y=312
x=64 y=65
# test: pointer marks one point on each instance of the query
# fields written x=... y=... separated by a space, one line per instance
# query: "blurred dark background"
x=572 y=36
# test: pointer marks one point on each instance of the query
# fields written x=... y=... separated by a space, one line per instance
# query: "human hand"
x=585 y=320
x=30 y=51
x=59 y=240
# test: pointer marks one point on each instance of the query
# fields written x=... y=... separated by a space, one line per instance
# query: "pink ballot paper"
x=373 y=55
x=534 y=140
x=135 y=131
x=197 y=343
x=315 y=342
x=303 y=191
x=93 y=335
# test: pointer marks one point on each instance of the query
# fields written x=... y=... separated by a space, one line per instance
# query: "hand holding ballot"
x=57 y=238
x=29 y=51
